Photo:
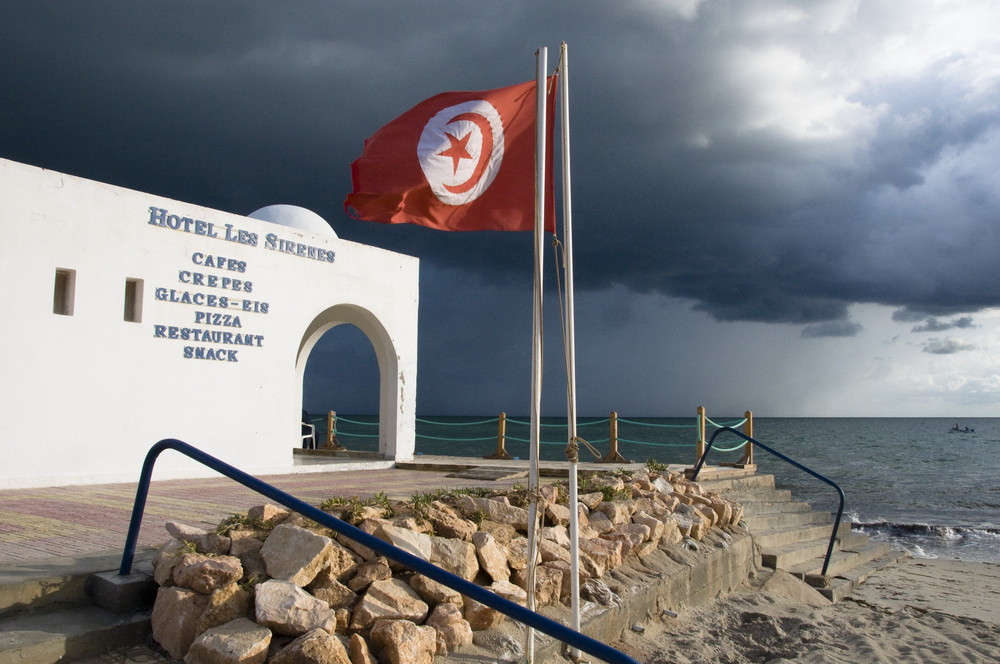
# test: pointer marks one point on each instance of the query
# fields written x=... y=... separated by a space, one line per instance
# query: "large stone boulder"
x=414 y=543
x=517 y=554
x=314 y=647
x=239 y=641
x=548 y=582
x=557 y=514
x=247 y=548
x=549 y=550
x=268 y=514
x=343 y=563
x=359 y=651
x=453 y=631
x=433 y=592
x=376 y=569
x=403 y=642
x=448 y=523
x=166 y=558
x=607 y=554
x=391 y=599
x=455 y=555
x=295 y=554
x=655 y=525
x=480 y=616
x=617 y=511
x=333 y=592
x=495 y=510
x=288 y=609
x=175 y=618
x=204 y=574
x=492 y=557
x=203 y=540
x=225 y=604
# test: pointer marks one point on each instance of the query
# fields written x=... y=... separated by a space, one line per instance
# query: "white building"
x=129 y=318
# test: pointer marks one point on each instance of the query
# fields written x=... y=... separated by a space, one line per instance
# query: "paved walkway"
x=76 y=520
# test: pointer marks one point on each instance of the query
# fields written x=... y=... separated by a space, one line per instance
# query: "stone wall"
x=272 y=586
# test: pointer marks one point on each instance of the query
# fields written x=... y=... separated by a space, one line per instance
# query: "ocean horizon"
x=930 y=490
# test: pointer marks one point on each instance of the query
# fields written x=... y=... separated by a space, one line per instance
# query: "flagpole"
x=570 y=347
x=541 y=64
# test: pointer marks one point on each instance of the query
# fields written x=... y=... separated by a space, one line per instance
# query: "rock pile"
x=273 y=586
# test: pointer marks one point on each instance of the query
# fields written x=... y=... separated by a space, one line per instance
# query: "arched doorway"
x=395 y=433
x=341 y=374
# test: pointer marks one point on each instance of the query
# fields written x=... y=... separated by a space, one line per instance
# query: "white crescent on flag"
x=460 y=151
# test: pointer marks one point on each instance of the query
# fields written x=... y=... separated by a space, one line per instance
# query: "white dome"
x=295 y=217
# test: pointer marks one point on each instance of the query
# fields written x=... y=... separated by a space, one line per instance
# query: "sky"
x=784 y=207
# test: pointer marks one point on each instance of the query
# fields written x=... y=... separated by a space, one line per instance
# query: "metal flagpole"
x=541 y=64
x=573 y=453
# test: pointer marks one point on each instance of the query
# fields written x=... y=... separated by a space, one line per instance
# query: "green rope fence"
x=471 y=445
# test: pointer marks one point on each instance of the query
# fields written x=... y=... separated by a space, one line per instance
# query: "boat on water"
x=958 y=429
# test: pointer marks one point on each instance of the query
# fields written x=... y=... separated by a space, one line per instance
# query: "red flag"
x=459 y=161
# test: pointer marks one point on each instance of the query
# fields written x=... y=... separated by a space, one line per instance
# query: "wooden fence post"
x=501 y=451
x=747 y=459
x=699 y=446
x=613 y=456
x=331 y=432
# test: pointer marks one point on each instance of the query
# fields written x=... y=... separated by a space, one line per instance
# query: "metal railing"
x=840 y=492
x=482 y=595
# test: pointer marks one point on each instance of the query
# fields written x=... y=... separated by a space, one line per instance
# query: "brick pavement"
x=36 y=524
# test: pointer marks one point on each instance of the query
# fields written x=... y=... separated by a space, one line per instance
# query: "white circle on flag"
x=460 y=151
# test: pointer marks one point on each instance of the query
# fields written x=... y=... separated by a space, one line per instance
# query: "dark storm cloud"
x=946 y=346
x=837 y=328
x=934 y=325
x=766 y=162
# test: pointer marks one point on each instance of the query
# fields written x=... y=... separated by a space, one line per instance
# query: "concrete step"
x=843 y=585
x=793 y=537
x=841 y=562
x=46 y=612
x=719 y=473
x=760 y=495
x=56 y=582
x=758 y=522
x=783 y=536
x=489 y=474
x=764 y=507
x=748 y=483
x=67 y=634
x=787 y=555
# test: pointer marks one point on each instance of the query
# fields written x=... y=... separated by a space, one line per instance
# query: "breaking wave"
x=924 y=540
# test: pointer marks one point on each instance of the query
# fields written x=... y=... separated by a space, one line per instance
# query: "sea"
x=918 y=483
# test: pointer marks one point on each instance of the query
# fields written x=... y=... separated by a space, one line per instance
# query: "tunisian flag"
x=459 y=161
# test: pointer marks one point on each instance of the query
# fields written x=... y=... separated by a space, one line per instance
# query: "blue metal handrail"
x=840 y=492
x=482 y=595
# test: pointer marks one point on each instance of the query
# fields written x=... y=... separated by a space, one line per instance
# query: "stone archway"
x=396 y=413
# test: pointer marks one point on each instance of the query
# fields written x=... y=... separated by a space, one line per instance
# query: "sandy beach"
x=919 y=610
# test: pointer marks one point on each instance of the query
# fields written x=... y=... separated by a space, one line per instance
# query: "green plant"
x=478 y=491
x=248 y=584
x=239 y=521
x=587 y=484
x=382 y=500
x=333 y=503
x=355 y=510
x=421 y=503
x=654 y=465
